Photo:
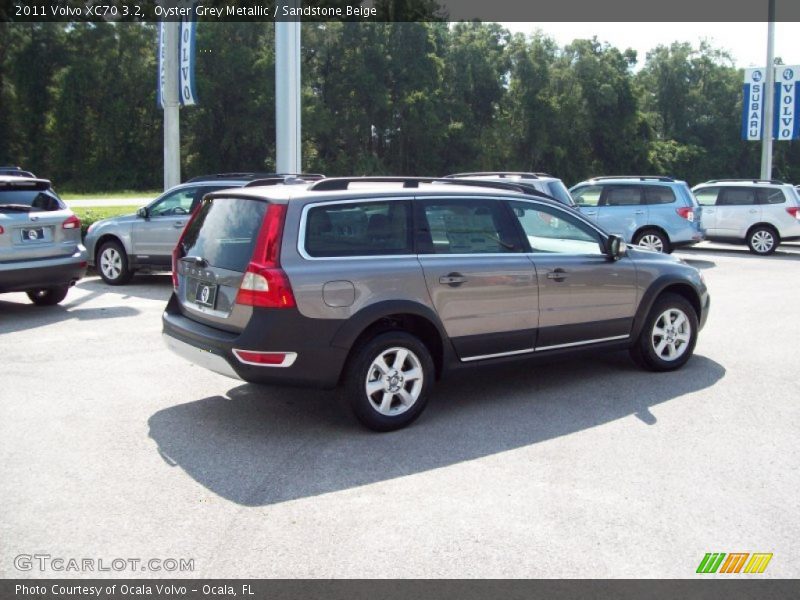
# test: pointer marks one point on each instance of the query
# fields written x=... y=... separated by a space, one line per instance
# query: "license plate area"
x=206 y=294
x=33 y=235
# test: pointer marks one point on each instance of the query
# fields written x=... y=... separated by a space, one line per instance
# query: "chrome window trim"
x=301 y=234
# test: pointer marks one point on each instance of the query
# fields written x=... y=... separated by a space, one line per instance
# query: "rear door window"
x=224 y=232
x=622 y=195
x=737 y=196
x=465 y=226
x=346 y=229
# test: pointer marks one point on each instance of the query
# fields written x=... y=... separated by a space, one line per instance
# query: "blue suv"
x=654 y=212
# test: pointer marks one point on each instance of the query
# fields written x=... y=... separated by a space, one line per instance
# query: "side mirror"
x=616 y=247
x=142 y=213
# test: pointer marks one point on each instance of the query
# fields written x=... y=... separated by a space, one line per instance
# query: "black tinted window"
x=33 y=200
x=465 y=226
x=771 y=196
x=224 y=232
x=659 y=194
x=736 y=197
x=359 y=229
x=624 y=195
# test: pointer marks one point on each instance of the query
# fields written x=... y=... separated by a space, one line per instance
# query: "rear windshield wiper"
x=16 y=207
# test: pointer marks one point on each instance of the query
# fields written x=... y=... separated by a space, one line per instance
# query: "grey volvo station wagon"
x=380 y=286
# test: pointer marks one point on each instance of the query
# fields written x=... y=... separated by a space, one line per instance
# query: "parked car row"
x=382 y=285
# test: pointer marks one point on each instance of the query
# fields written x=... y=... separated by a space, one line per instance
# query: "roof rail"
x=638 y=177
x=772 y=181
x=287 y=179
x=342 y=183
x=520 y=174
x=250 y=175
x=15 y=171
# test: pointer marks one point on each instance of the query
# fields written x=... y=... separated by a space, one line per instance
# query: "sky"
x=747 y=42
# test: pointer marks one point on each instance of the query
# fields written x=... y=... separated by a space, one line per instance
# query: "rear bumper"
x=316 y=363
x=42 y=273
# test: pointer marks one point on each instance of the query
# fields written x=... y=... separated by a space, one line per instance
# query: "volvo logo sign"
x=204 y=294
x=33 y=235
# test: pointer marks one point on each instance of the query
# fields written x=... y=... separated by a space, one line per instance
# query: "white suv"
x=760 y=213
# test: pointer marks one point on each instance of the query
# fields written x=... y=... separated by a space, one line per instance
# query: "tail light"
x=264 y=282
x=71 y=223
x=793 y=210
x=2 y=231
x=686 y=213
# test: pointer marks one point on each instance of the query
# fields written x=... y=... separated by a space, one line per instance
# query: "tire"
x=763 y=240
x=371 y=387
x=48 y=296
x=667 y=341
x=653 y=239
x=112 y=264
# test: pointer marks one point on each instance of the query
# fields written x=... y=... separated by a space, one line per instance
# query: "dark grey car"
x=382 y=288
x=40 y=241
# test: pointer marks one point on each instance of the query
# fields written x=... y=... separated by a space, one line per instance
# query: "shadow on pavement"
x=150 y=286
x=16 y=316
x=263 y=445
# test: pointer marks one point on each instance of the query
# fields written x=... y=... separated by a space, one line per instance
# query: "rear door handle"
x=639 y=212
x=589 y=212
x=178 y=224
x=557 y=274
x=452 y=279
x=753 y=210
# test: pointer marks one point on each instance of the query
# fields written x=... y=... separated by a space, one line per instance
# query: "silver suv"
x=760 y=213
x=40 y=241
x=541 y=182
x=120 y=246
x=382 y=285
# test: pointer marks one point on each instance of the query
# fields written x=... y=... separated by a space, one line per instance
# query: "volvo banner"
x=186 y=59
x=161 y=56
x=186 y=62
x=787 y=95
x=786 y=116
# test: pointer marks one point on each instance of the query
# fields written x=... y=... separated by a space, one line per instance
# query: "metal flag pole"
x=172 y=136
x=769 y=97
x=287 y=95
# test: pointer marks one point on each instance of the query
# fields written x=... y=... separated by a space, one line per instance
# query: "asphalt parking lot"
x=112 y=447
